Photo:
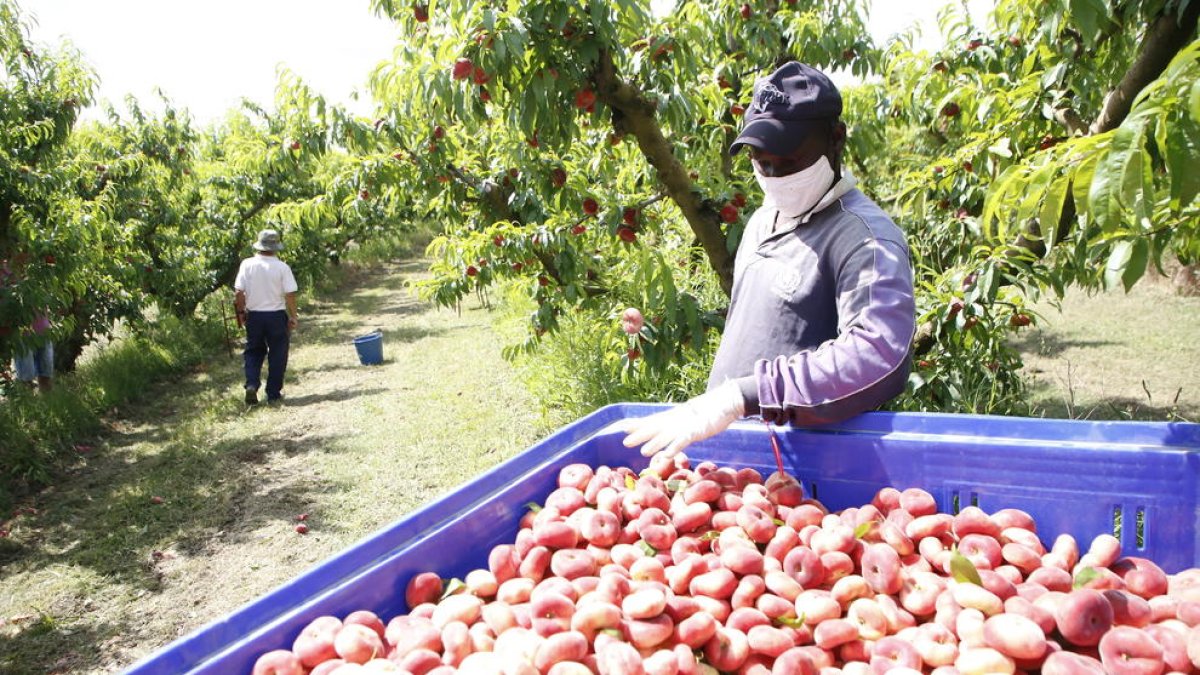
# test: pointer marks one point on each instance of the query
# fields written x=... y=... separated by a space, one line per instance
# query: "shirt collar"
x=845 y=184
x=840 y=188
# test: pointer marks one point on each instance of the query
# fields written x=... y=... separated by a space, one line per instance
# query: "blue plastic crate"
x=1082 y=478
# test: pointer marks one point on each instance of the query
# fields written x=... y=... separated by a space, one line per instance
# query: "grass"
x=38 y=431
x=1116 y=356
x=96 y=575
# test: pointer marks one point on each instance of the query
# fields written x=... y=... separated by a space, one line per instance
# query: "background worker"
x=265 y=300
x=35 y=367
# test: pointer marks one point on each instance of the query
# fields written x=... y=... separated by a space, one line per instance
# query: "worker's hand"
x=292 y=322
x=673 y=430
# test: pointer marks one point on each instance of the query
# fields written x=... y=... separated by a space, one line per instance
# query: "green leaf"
x=1118 y=260
x=649 y=550
x=677 y=485
x=1117 y=177
x=1182 y=150
x=862 y=530
x=1136 y=267
x=1033 y=191
x=1089 y=15
x=1081 y=181
x=710 y=535
x=778 y=522
x=533 y=506
x=789 y=621
x=1001 y=148
x=963 y=570
x=612 y=632
x=995 y=204
x=1194 y=101
x=1084 y=576
x=453 y=587
x=1052 y=207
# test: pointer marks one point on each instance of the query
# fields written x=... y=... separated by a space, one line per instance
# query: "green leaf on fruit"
x=862 y=530
x=453 y=587
x=649 y=550
x=533 y=506
x=790 y=621
x=1085 y=577
x=963 y=570
x=630 y=483
x=612 y=632
x=710 y=535
x=646 y=472
x=778 y=522
x=676 y=485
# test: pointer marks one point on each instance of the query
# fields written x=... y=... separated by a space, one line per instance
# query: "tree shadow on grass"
x=338 y=395
x=106 y=523
x=344 y=332
x=1050 y=401
x=110 y=518
x=1046 y=344
x=40 y=645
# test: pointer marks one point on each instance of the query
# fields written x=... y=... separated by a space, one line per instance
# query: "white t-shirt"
x=265 y=280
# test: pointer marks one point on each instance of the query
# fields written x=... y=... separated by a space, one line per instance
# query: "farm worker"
x=266 y=301
x=38 y=362
x=821 y=317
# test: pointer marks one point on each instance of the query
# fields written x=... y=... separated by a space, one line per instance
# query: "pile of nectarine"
x=710 y=569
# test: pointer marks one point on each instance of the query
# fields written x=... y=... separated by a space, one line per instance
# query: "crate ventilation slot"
x=956 y=504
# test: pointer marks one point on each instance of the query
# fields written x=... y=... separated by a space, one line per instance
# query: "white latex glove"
x=695 y=420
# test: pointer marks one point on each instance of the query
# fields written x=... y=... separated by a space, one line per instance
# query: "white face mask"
x=795 y=195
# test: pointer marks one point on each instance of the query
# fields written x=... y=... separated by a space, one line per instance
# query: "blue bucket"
x=370 y=348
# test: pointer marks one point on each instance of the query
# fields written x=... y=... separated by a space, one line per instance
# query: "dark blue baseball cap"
x=788 y=104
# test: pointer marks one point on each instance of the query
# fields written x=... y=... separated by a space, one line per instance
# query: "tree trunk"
x=1168 y=34
x=637 y=117
x=68 y=351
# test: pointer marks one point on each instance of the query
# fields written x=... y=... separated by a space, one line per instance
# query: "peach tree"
x=576 y=151
x=41 y=94
x=1054 y=144
x=100 y=221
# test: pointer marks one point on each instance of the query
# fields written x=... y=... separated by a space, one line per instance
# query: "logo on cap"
x=767 y=94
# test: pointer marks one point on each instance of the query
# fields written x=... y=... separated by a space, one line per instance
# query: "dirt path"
x=103 y=575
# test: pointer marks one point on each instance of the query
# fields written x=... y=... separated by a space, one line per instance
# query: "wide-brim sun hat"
x=268 y=240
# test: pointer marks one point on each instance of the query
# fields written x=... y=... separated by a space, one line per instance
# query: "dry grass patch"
x=1117 y=356
x=102 y=576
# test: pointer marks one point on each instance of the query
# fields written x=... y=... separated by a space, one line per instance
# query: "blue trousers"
x=266 y=337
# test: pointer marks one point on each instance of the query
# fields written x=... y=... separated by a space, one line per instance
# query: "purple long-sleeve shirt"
x=822 y=316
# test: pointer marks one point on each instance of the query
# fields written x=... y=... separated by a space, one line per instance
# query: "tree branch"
x=637 y=116
x=1162 y=41
x=1071 y=121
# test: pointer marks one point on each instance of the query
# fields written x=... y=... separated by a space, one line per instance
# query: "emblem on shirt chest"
x=786 y=283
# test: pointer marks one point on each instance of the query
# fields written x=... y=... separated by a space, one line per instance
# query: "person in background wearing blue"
x=822 y=316
x=265 y=301
x=37 y=364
